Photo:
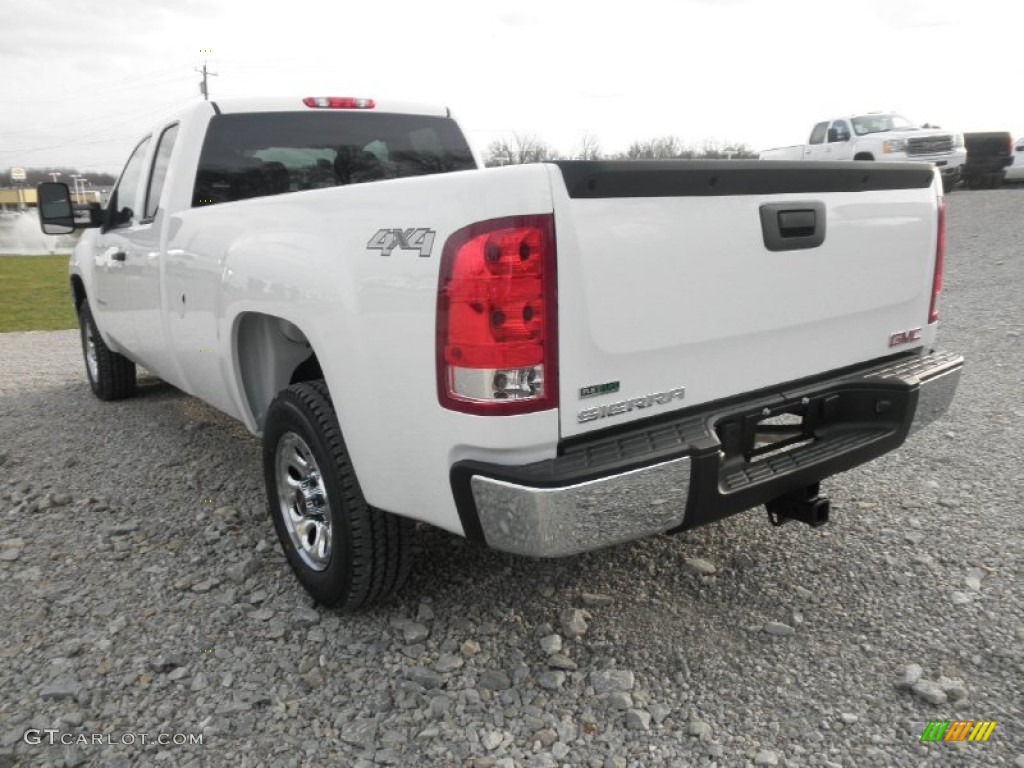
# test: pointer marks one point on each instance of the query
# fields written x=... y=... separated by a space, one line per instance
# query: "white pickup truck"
x=546 y=358
x=883 y=137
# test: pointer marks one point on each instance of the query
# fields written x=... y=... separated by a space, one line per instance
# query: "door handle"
x=793 y=226
x=118 y=256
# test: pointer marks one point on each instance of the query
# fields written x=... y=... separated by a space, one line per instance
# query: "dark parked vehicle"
x=988 y=154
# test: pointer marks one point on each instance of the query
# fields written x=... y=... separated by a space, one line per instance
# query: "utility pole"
x=203 y=89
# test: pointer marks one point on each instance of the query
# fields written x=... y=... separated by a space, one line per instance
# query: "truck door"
x=837 y=143
x=145 y=243
x=117 y=264
x=816 y=146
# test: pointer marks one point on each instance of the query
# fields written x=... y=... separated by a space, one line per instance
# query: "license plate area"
x=755 y=436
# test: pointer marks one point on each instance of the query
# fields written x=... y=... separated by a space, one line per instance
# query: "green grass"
x=35 y=294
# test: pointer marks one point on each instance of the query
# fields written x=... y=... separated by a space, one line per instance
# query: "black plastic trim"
x=713 y=178
x=216 y=109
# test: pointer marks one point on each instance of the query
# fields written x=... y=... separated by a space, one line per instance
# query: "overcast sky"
x=80 y=79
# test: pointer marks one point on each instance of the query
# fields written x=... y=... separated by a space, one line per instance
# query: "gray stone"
x=424 y=613
x=414 y=632
x=551 y=644
x=766 y=757
x=849 y=718
x=177 y=674
x=610 y=680
x=929 y=691
x=360 y=733
x=700 y=729
x=619 y=700
x=638 y=720
x=117 y=625
x=10 y=555
x=659 y=712
x=778 y=629
x=561 y=661
x=911 y=675
x=546 y=736
x=492 y=740
x=960 y=598
x=448 y=662
x=560 y=750
x=470 y=648
x=439 y=706
x=701 y=566
x=276 y=631
x=262 y=614
x=200 y=682
x=596 y=600
x=205 y=585
x=238 y=572
x=551 y=680
x=494 y=679
x=74 y=718
x=574 y=623
x=305 y=617
x=954 y=688
x=427 y=678
x=61 y=689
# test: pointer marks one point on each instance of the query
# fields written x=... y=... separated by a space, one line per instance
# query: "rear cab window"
x=270 y=153
x=818 y=134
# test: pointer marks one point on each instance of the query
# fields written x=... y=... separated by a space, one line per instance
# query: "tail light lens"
x=940 y=257
x=497 y=318
x=338 y=102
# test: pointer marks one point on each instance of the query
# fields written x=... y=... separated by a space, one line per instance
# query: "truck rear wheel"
x=345 y=553
x=111 y=375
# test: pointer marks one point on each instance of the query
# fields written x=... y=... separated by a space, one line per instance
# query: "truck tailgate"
x=685 y=282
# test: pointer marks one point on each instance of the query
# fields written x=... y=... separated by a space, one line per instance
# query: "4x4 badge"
x=386 y=240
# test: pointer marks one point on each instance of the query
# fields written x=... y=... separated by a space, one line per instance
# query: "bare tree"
x=522 y=148
x=589 y=148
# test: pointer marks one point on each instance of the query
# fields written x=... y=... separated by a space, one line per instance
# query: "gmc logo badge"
x=905 y=337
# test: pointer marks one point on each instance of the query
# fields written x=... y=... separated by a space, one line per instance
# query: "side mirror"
x=56 y=214
x=834 y=135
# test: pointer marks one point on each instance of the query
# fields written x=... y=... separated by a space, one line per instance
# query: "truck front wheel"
x=111 y=376
x=345 y=553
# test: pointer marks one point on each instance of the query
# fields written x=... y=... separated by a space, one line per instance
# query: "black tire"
x=370 y=550
x=995 y=180
x=111 y=375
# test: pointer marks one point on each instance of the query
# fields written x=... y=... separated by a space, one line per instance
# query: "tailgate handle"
x=792 y=226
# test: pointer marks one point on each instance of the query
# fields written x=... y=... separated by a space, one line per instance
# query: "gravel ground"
x=144 y=593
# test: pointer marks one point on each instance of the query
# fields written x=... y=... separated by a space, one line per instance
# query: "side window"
x=841 y=130
x=818 y=134
x=126 y=193
x=160 y=162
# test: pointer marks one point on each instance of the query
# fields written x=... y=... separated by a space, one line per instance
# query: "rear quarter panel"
x=370 y=318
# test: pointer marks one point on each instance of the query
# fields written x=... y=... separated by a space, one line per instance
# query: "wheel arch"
x=269 y=354
x=77 y=291
x=864 y=156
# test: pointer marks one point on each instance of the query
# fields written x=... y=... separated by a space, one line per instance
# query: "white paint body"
x=1015 y=172
x=655 y=293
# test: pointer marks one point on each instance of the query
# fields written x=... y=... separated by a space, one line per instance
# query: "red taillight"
x=338 y=102
x=940 y=256
x=496 y=318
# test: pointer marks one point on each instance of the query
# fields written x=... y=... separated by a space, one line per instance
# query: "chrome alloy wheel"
x=91 y=363
x=302 y=499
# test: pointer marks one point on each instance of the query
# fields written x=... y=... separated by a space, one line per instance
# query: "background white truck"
x=883 y=137
x=546 y=358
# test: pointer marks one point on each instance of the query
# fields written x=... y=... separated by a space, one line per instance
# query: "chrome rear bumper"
x=687 y=472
